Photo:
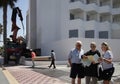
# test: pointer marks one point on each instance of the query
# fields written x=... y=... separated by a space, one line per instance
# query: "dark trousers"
x=52 y=63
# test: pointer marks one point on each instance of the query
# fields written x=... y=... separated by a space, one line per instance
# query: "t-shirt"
x=92 y=69
x=33 y=54
x=108 y=54
x=53 y=56
x=75 y=55
x=90 y=52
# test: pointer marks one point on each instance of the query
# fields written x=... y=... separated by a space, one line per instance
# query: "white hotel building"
x=57 y=24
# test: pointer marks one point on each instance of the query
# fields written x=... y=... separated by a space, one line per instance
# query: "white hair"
x=93 y=43
x=79 y=42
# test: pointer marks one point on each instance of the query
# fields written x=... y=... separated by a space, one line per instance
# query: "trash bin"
x=1 y=60
x=22 y=60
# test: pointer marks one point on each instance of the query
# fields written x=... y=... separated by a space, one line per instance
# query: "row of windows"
x=115 y=3
x=88 y=34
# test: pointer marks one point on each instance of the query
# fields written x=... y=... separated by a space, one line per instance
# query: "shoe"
x=54 y=68
x=49 y=66
x=33 y=66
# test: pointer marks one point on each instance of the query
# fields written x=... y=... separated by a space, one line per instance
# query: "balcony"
x=104 y=9
x=90 y=25
x=115 y=26
x=76 y=14
x=115 y=31
x=104 y=17
x=116 y=18
x=115 y=11
x=106 y=26
x=104 y=2
x=91 y=15
x=116 y=3
x=76 y=23
x=76 y=1
x=77 y=5
x=91 y=1
x=91 y=7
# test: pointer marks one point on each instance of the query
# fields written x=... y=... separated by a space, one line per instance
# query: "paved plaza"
x=41 y=74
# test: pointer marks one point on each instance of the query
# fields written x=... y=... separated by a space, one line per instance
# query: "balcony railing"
x=104 y=26
x=76 y=0
x=77 y=5
x=115 y=26
x=104 y=9
x=76 y=23
x=91 y=7
x=91 y=25
x=116 y=11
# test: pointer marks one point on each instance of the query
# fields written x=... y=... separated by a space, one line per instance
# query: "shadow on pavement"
x=55 y=73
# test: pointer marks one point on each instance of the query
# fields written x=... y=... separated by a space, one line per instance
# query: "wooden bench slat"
x=42 y=58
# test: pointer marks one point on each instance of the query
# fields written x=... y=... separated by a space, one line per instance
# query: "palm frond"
x=10 y=3
x=0 y=3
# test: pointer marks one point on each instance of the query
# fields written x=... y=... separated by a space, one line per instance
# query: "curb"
x=9 y=77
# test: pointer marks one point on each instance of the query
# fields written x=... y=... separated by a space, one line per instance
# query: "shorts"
x=77 y=70
x=107 y=74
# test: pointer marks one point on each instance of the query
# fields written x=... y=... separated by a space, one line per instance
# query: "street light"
x=0 y=29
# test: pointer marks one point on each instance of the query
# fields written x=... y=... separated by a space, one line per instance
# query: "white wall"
x=115 y=33
x=32 y=24
x=27 y=29
x=48 y=21
x=63 y=47
x=65 y=19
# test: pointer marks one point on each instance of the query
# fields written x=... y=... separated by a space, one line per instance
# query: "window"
x=103 y=34
x=87 y=2
x=89 y=34
x=73 y=33
x=88 y=17
x=72 y=17
x=72 y=0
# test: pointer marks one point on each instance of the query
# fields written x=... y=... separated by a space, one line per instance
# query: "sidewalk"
x=41 y=74
x=27 y=75
x=3 y=79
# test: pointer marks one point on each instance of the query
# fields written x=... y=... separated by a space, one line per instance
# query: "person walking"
x=33 y=55
x=74 y=60
x=91 y=71
x=107 y=64
x=53 y=57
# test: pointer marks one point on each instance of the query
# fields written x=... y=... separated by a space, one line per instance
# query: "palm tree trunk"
x=5 y=33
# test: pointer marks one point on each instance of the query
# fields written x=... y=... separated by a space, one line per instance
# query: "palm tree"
x=4 y=4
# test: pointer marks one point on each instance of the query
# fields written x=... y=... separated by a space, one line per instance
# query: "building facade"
x=50 y=21
x=96 y=18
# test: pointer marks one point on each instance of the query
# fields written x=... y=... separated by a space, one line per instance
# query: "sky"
x=23 y=5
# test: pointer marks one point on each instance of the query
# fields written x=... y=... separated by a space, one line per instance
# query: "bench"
x=40 y=58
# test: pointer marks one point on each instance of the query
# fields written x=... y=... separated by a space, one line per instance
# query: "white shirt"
x=108 y=54
x=75 y=55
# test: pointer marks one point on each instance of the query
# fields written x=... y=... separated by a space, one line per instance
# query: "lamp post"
x=1 y=30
